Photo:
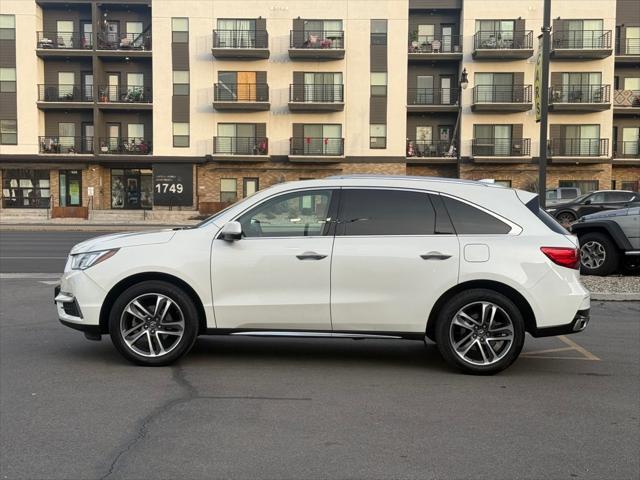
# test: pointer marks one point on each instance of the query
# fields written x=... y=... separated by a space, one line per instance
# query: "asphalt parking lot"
x=286 y=408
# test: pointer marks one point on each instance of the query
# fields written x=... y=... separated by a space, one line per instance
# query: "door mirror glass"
x=231 y=231
x=587 y=202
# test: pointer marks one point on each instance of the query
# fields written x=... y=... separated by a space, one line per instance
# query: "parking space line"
x=579 y=348
x=572 y=347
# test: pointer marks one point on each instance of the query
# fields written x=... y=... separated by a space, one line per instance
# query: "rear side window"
x=468 y=220
x=618 y=196
x=548 y=220
x=385 y=212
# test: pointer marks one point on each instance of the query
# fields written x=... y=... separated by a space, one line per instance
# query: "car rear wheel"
x=480 y=331
x=153 y=323
x=598 y=254
x=566 y=219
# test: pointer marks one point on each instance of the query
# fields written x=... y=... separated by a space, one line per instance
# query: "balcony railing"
x=64 y=144
x=240 y=145
x=628 y=149
x=124 y=41
x=435 y=44
x=501 y=147
x=316 y=39
x=580 y=94
x=503 y=39
x=64 y=40
x=125 y=146
x=315 y=146
x=630 y=46
x=65 y=93
x=241 y=92
x=626 y=98
x=240 y=39
x=502 y=94
x=429 y=148
x=124 y=94
x=582 y=39
x=316 y=93
x=432 y=96
x=579 y=147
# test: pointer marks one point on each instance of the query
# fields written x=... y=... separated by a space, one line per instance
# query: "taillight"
x=563 y=256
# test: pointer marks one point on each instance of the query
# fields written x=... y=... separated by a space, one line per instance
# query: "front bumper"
x=578 y=324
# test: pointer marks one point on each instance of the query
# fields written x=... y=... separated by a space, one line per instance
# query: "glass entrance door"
x=70 y=188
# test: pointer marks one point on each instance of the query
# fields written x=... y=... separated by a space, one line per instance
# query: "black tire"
x=601 y=242
x=446 y=316
x=566 y=218
x=186 y=307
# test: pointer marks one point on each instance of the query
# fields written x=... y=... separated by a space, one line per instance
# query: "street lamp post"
x=544 y=103
x=464 y=83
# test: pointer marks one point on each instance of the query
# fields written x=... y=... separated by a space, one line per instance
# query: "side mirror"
x=587 y=202
x=231 y=232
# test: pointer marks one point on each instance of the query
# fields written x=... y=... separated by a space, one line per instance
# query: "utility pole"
x=544 y=102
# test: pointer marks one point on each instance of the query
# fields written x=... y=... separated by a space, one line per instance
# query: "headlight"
x=82 y=261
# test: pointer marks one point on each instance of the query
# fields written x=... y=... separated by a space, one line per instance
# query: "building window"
x=8 y=132
x=377 y=136
x=7 y=80
x=25 y=188
x=181 y=82
x=228 y=190
x=131 y=188
x=504 y=183
x=180 y=134
x=585 y=186
x=378 y=84
x=378 y=32
x=180 y=30
x=7 y=27
x=249 y=186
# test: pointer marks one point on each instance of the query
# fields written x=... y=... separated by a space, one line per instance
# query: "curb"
x=615 y=297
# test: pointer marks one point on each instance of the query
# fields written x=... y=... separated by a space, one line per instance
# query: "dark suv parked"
x=593 y=202
x=609 y=240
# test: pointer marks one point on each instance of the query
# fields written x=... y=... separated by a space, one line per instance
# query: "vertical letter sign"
x=537 y=81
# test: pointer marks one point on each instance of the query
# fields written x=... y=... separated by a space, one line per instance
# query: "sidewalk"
x=65 y=224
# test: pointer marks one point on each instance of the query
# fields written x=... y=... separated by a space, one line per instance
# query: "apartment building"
x=190 y=105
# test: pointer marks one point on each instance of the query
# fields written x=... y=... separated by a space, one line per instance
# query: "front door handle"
x=434 y=256
x=310 y=256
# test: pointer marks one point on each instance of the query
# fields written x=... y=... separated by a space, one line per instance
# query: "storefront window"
x=25 y=188
x=131 y=188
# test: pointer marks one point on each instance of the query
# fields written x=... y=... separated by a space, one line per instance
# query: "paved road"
x=284 y=408
x=38 y=252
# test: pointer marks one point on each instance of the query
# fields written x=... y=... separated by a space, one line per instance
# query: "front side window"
x=618 y=197
x=297 y=214
x=469 y=220
x=385 y=212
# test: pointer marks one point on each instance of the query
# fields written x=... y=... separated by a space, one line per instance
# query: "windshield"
x=581 y=198
x=210 y=219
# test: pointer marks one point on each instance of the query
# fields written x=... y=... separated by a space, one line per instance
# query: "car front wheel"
x=480 y=331
x=153 y=323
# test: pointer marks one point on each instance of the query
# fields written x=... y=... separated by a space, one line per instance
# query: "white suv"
x=471 y=266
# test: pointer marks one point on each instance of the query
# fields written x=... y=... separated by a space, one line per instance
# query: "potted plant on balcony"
x=413 y=38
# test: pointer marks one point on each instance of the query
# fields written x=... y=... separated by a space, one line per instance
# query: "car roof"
x=411 y=178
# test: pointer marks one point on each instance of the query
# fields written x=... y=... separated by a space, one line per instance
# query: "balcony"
x=430 y=151
x=246 y=97
x=501 y=98
x=124 y=146
x=58 y=145
x=628 y=50
x=312 y=149
x=432 y=100
x=435 y=47
x=240 y=44
x=580 y=44
x=128 y=44
x=65 y=96
x=507 y=150
x=316 y=98
x=626 y=102
x=121 y=97
x=579 y=98
x=66 y=44
x=626 y=153
x=316 y=44
x=503 y=45
x=251 y=149
x=584 y=150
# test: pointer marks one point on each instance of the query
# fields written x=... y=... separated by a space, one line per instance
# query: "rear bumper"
x=578 y=324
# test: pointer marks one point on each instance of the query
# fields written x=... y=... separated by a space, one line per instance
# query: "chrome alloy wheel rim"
x=592 y=254
x=152 y=325
x=481 y=333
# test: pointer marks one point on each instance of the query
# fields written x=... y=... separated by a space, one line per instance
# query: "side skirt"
x=315 y=334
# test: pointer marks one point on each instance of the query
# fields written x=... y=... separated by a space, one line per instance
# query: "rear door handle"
x=434 y=256
x=310 y=256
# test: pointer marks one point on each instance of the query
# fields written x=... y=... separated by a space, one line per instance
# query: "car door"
x=393 y=256
x=277 y=275
x=592 y=204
